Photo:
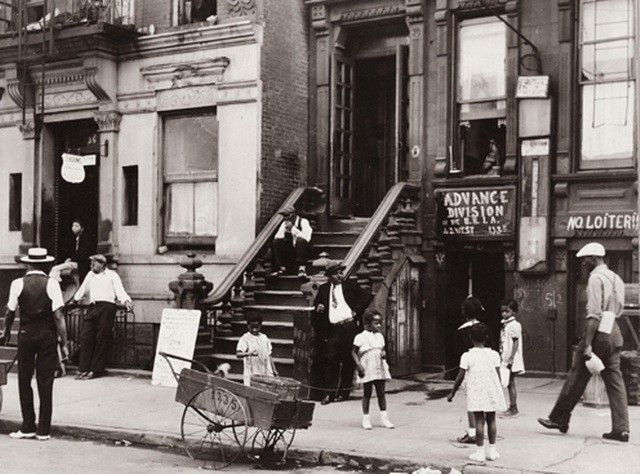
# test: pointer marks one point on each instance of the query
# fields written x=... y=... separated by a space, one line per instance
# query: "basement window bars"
x=607 y=83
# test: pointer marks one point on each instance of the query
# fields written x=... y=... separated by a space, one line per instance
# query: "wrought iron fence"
x=123 y=353
x=36 y=14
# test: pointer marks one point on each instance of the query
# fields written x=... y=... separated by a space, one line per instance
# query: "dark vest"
x=34 y=302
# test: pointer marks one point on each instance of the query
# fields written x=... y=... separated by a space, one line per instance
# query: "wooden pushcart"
x=5 y=368
x=223 y=419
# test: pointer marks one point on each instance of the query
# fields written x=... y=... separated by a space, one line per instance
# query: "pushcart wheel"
x=272 y=445
x=213 y=423
x=238 y=433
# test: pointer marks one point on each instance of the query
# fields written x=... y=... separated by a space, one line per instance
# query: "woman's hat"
x=37 y=255
x=333 y=267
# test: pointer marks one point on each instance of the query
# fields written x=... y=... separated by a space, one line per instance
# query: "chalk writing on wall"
x=477 y=213
x=604 y=224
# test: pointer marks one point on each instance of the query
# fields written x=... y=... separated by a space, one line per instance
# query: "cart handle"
x=183 y=359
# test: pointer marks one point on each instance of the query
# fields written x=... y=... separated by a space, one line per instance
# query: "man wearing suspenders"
x=605 y=302
x=41 y=323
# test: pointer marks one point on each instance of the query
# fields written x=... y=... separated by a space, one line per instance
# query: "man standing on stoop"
x=605 y=302
x=40 y=300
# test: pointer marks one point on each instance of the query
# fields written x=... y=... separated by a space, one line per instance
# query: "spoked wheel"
x=214 y=427
x=271 y=446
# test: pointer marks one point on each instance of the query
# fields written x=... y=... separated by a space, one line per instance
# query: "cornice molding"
x=183 y=74
x=371 y=13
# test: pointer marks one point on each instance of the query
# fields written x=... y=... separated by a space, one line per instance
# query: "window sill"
x=475 y=180
x=608 y=175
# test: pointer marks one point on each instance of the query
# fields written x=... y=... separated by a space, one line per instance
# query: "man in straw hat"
x=40 y=301
x=339 y=305
x=292 y=242
x=605 y=302
x=104 y=287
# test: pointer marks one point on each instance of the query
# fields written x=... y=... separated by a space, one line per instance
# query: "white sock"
x=471 y=432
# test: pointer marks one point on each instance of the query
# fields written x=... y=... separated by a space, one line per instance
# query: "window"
x=193 y=11
x=15 y=201
x=5 y=15
x=190 y=151
x=481 y=90
x=607 y=83
x=130 y=207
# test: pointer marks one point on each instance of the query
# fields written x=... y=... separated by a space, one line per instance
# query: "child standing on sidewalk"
x=370 y=358
x=255 y=350
x=481 y=365
x=511 y=351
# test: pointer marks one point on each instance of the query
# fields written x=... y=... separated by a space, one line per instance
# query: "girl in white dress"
x=254 y=348
x=481 y=365
x=370 y=358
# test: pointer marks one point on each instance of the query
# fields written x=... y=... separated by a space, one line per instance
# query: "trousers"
x=95 y=336
x=36 y=351
x=285 y=253
x=579 y=377
x=335 y=364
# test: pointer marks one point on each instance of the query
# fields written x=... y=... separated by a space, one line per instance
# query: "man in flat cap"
x=292 y=242
x=41 y=324
x=605 y=302
x=339 y=305
x=105 y=288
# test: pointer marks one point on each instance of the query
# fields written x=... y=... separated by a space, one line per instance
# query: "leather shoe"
x=552 y=425
x=617 y=436
x=326 y=400
x=466 y=439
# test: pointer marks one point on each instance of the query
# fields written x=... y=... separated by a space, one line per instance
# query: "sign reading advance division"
x=478 y=213
x=603 y=224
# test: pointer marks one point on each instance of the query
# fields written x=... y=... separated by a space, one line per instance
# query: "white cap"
x=592 y=249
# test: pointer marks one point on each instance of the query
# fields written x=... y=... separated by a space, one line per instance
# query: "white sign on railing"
x=178 y=333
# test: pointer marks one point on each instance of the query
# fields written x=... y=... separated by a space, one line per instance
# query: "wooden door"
x=401 y=171
x=403 y=322
x=341 y=163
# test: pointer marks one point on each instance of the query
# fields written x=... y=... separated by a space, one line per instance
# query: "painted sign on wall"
x=477 y=213
x=603 y=224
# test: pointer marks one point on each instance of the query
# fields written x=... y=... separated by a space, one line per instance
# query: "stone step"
x=282 y=348
x=335 y=251
x=286 y=282
x=341 y=237
x=8 y=352
x=352 y=224
x=274 y=330
x=277 y=313
x=280 y=297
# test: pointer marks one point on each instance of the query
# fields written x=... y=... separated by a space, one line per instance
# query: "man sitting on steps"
x=291 y=243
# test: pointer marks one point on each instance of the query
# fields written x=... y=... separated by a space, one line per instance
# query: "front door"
x=369 y=103
x=76 y=201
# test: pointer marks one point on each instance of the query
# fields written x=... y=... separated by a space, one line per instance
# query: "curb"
x=305 y=456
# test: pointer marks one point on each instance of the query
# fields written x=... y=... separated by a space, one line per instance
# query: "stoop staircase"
x=370 y=248
x=281 y=301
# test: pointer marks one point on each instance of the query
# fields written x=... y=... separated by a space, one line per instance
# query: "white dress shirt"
x=301 y=229
x=103 y=286
x=339 y=310
x=601 y=293
x=53 y=291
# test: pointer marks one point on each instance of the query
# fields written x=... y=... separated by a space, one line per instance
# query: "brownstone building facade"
x=517 y=118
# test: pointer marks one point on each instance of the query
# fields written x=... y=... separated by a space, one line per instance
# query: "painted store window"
x=190 y=151
x=481 y=92
x=607 y=83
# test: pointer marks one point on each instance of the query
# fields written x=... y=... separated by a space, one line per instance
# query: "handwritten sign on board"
x=178 y=333
x=477 y=213
x=532 y=87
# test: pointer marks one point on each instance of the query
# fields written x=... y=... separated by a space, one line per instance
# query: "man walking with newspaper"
x=605 y=302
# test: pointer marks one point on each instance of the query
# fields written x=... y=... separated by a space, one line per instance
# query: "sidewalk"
x=120 y=407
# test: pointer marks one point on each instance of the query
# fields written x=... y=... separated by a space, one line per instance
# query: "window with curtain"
x=607 y=83
x=481 y=90
x=190 y=151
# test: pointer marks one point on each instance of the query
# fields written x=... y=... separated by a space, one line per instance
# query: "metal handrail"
x=263 y=239
x=378 y=218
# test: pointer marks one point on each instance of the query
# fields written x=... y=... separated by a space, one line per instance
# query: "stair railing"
x=393 y=226
x=298 y=198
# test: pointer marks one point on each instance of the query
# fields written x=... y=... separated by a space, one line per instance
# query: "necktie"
x=77 y=243
x=334 y=298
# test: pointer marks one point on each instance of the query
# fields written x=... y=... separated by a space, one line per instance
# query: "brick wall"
x=284 y=73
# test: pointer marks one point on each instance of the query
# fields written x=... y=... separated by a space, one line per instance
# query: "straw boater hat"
x=592 y=249
x=37 y=255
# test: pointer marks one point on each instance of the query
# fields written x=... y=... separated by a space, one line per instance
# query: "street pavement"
x=119 y=407
x=66 y=456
